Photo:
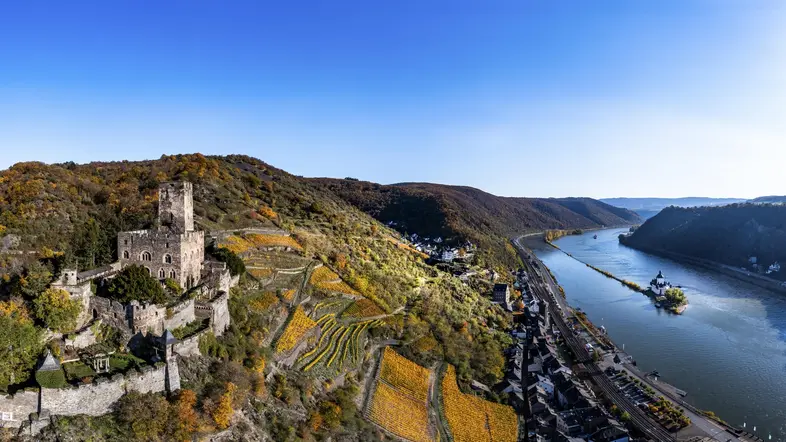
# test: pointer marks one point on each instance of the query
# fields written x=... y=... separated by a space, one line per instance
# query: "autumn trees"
x=20 y=344
x=55 y=309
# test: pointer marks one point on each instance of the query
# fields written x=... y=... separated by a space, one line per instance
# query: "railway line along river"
x=727 y=350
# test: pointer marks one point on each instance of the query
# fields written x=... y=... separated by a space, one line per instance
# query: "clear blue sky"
x=523 y=98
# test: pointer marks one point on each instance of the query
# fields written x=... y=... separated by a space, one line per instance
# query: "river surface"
x=728 y=350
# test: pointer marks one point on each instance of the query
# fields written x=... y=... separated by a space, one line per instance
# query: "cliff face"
x=729 y=234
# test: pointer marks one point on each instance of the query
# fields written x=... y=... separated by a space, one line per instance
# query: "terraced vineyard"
x=363 y=308
x=399 y=414
x=400 y=400
x=472 y=419
x=249 y=241
x=404 y=374
x=298 y=326
x=326 y=280
x=339 y=344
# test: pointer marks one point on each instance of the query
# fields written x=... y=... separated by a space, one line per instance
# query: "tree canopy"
x=56 y=310
x=234 y=263
x=134 y=283
x=20 y=346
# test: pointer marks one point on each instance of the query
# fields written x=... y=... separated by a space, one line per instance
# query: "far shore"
x=739 y=274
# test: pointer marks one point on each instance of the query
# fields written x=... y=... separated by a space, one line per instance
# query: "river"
x=728 y=350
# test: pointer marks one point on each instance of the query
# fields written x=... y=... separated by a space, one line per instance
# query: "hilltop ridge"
x=461 y=213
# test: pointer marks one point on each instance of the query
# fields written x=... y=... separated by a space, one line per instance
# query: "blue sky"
x=520 y=98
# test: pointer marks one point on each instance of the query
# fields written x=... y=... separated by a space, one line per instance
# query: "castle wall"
x=153 y=317
x=16 y=409
x=192 y=254
x=217 y=309
x=162 y=246
x=189 y=346
x=97 y=398
x=219 y=320
x=92 y=399
x=110 y=312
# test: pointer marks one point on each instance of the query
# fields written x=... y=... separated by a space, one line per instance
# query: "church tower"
x=176 y=206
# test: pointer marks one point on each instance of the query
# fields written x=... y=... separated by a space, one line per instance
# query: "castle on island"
x=172 y=249
x=659 y=285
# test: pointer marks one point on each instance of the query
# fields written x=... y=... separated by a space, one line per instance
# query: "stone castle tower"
x=174 y=250
x=176 y=206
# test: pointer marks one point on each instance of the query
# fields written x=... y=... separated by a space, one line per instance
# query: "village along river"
x=727 y=351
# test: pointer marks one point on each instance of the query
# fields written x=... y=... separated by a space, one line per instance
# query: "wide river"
x=728 y=350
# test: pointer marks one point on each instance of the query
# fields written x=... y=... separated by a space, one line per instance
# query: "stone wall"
x=189 y=346
x=16 y=409
x=176 y=205
x=110 y=312
x=149 y=380
x=217 y=309
x=97 y=398
x=156 y=250
x=153 y=318
x=192 y=254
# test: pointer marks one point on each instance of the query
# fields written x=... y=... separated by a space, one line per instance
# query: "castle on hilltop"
x=171 y=249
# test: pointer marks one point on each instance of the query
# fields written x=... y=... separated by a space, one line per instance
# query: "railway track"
x=651 y=429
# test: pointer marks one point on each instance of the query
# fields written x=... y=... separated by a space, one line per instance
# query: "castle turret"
x=176 y=206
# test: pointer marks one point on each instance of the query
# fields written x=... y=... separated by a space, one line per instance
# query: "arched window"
x=167 y=259
x=146 y=256
x=172 y=274
x=161 y=273
x=150 y=272
x=125 y=254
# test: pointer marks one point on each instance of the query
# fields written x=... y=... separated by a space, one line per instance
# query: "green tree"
x=234 y=263
x=56 y=310
x=146 y=415
x=675 y=295
x=20 y=346
x=625 y=417
x=35 y=280
x=134 y=283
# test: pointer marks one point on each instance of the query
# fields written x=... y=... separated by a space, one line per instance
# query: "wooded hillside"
x=729 y=234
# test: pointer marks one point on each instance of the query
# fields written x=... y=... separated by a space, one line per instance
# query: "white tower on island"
x=659 y=285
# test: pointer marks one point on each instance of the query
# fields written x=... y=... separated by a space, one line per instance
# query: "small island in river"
x=667 y=296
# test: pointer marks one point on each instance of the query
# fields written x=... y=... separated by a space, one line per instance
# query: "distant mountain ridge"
x=649 y=207
x=466 y=213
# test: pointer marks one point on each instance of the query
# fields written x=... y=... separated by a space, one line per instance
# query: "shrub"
x=51 y=379
x=134 y=283
x=233 y=262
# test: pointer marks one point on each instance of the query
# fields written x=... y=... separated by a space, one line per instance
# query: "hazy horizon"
x=515 y=98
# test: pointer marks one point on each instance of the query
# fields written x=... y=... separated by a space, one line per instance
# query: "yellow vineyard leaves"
x=298 y=326
x=472 y=419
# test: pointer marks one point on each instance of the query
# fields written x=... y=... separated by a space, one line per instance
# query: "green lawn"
x=121 y=363
x=78 y=370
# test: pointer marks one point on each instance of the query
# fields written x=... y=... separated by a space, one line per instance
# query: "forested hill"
x=79 y=209
x=728 y=234
x=466 y=213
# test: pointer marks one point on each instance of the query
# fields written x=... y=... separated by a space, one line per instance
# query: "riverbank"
x=736 y=273
x=676 y=309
